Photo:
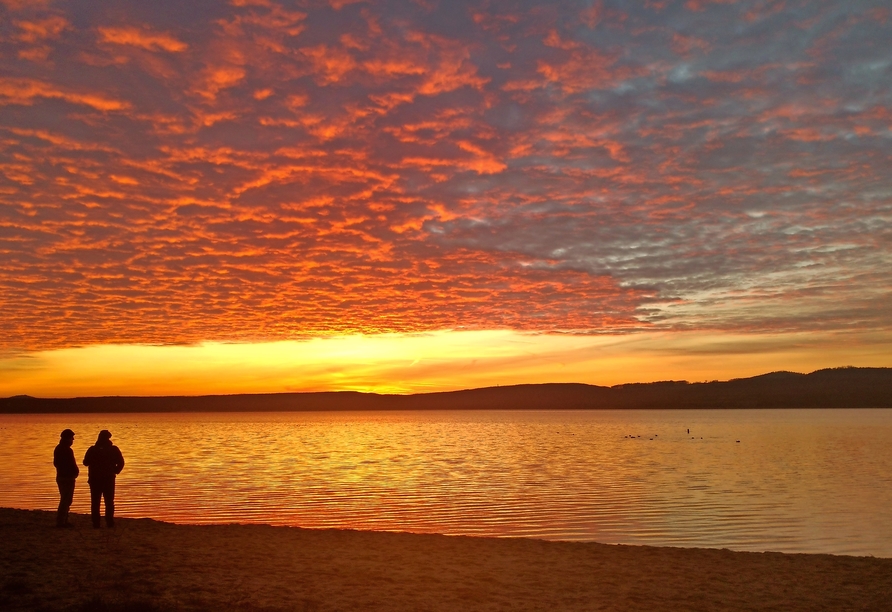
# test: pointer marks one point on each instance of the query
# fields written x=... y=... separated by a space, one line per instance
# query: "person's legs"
x=66 y=496
x=109 y=494
x=95 y=497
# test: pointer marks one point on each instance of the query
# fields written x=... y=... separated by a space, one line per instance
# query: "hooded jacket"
x=104 y=461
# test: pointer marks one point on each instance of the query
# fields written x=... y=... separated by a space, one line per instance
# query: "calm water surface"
x=797 y=480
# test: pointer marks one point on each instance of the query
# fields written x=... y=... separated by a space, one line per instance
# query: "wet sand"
x=150 y=566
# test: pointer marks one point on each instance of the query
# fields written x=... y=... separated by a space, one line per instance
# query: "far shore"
x=150 y=566
x=829 y=388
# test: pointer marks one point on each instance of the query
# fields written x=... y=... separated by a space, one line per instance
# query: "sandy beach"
x=148 y=565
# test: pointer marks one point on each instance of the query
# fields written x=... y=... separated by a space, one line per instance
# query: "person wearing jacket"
x=105 y=462
x=66 y=473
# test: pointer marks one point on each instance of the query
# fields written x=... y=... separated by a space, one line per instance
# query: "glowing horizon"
x=270 y=175
x=441 y=361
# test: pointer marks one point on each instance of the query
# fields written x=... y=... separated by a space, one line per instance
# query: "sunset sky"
x=258 y=195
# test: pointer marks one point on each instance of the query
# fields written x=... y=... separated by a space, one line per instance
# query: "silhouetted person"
x=105 y=462
x=66 y=473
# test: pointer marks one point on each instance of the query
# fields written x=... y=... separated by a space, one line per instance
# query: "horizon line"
x=423 y=393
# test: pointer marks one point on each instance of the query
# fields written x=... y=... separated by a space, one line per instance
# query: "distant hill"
x=832 y=388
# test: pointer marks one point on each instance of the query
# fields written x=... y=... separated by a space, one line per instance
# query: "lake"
x=815 y=481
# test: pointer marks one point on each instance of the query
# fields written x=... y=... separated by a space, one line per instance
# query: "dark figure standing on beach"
x=104 y=461
x=66 y=473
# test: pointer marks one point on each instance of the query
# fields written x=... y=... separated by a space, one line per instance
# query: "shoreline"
x=150 y=565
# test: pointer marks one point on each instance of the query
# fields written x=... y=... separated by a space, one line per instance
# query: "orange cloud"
x=42 y=29
x=593 y=14
x=24 y=91
x=683 y=45
x=808 y=135
x=484 y=162
x=263 y=173
x=581 y=67
x=36 y=54
x=19 y=5
x=394 y=66
x=451 y=69
x=142 y=38
x=330 y=64
x=218 y=77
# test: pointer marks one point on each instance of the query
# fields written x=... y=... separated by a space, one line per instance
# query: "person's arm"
x=119 y=461
x=73 y=462
x=57 y=460
x=87 y=457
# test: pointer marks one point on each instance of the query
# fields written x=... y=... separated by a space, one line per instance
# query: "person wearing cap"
x=104 y=462
x=66 y=473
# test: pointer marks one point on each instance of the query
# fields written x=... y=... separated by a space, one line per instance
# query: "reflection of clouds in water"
x=251 y=171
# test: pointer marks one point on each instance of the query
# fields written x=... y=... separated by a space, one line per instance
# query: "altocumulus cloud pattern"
x=172 y=172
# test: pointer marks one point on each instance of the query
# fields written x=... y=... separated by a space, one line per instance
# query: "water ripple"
x=798 y=480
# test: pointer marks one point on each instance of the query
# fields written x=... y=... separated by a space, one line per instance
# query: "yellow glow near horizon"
x=440 y=361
